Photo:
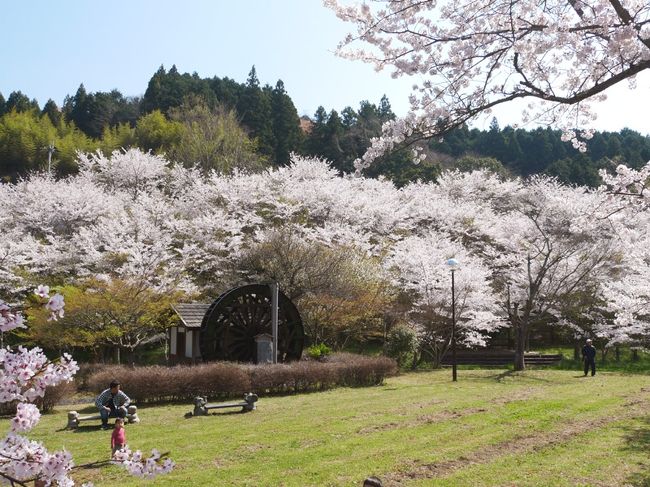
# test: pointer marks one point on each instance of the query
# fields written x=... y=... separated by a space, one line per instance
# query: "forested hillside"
x=219 y=123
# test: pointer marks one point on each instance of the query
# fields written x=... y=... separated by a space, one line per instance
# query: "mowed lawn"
x=492 y=427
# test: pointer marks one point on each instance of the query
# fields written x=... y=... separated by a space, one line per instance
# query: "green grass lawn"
x=492 y=427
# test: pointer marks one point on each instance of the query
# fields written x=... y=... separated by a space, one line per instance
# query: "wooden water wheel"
x=234 y=319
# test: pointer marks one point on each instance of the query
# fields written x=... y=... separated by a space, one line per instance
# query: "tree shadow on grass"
x=638 y=440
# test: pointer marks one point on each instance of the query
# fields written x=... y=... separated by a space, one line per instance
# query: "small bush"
x=225 y=379
x=319 y=351
x=55 y=395
x=401 y=344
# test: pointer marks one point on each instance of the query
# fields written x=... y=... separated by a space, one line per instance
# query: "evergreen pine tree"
x=254 y=108
x=52 y=111
x=286 y=125
x=20 y=103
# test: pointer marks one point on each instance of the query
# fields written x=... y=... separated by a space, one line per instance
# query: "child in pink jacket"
x=118 y=438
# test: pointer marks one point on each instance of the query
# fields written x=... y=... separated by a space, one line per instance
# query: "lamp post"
x=453 y=265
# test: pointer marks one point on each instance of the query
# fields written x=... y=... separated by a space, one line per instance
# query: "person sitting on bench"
x=112 y=403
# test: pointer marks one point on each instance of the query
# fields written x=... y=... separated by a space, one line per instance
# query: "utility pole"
x=50 y=151
x=275 y=291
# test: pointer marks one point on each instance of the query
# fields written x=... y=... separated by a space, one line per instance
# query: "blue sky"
x=50 y=47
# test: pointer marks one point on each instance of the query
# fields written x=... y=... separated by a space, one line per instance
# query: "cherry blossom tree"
x=546 y=243
x=530 y=246
x=421 y=272
x=470 y=56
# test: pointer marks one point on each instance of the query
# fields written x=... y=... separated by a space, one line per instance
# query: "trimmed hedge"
x=226 y=379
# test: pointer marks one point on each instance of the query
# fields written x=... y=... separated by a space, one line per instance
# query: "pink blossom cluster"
x=577 y=138
x=25 y=373
x=10 y=319
x=27 y=415
x=22 y=459
x=627 y=181
x=140 y=466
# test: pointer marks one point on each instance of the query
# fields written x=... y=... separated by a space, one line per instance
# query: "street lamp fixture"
x=453 y=265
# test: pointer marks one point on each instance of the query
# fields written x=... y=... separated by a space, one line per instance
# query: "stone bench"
x=201 y=406
x=74 y=418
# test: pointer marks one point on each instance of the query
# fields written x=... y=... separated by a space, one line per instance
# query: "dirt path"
x=634 y=407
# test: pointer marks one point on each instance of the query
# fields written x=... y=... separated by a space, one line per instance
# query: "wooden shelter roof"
x=191 y=314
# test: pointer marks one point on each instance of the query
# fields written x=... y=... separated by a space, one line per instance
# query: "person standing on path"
x=589 y=357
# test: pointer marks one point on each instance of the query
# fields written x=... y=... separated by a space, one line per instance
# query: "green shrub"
x=319 y=351
x=401 y=344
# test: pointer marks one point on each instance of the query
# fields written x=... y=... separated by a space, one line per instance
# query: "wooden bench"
x=74 y=418
x=201 y=406
x=500 y=359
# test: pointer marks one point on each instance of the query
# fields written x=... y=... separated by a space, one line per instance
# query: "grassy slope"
x=544 y=427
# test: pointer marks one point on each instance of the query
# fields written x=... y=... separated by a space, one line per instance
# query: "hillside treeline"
x=219 y=123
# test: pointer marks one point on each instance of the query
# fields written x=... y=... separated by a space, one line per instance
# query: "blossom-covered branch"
x=471 y=56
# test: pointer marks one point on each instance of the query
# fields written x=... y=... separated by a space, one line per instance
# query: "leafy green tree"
x=614 y=146
x=213 y=139
x=513 y=151
x=493 y=143
x=399 y=168
x=120 y=136
x=402 y=344
x=2 y=105
x=68 y=142
x=93 y=112
x=331 y=148
x=597 y=147
x=348 y=118
x=118 y=314
x=25 y=138
x=155 y=133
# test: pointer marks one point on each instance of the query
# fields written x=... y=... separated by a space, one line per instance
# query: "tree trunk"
x=527 y=342
x=617 y=353
x=635 y=355
x=520 y=343
x=117 y=355
x=576 y=351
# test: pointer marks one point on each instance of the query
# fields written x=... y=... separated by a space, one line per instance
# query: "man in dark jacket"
x=589 y=357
